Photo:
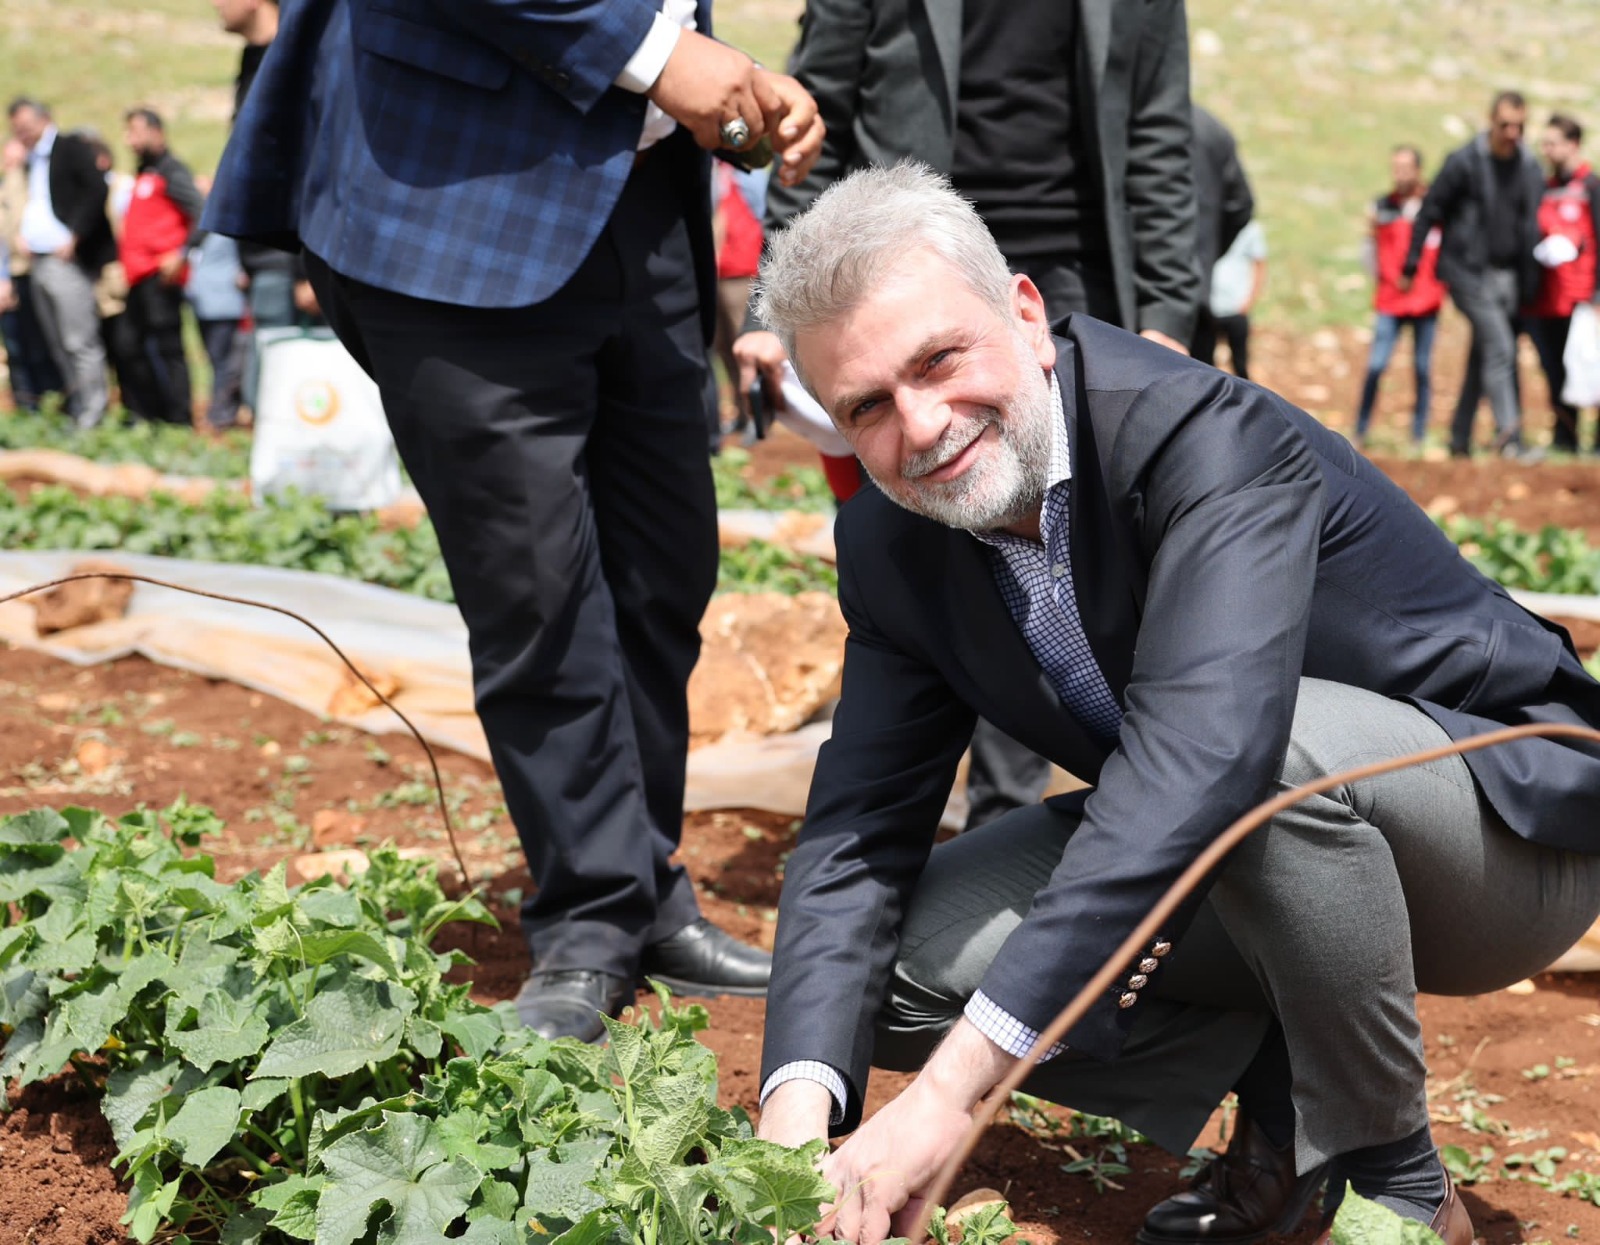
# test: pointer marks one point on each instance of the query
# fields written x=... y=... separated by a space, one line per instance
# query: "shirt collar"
x=46 y=143
x=1058 y=472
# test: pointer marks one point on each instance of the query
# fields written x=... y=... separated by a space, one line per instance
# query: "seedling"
x=1468 y=1168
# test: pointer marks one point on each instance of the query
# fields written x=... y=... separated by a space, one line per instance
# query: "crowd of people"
x=1513 y=244
x=997 y=247
x=97 y=267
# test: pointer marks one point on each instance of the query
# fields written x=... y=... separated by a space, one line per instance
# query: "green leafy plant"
x=120 y=438
x=1466 y=1167
x=1363 y=1222
x=301 y=533
x=1553 y=559
x=293 y=1064
x=798 y=488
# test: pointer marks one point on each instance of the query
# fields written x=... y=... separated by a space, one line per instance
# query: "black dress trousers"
x=561 y=452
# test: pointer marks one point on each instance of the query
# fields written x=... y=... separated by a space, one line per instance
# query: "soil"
x=288 y=785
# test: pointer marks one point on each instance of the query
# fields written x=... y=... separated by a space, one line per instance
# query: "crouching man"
x=1186 y=591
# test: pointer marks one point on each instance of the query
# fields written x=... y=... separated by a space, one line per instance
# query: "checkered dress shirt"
x=1035 y=581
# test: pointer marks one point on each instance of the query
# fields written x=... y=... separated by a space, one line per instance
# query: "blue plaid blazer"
x=464 y=151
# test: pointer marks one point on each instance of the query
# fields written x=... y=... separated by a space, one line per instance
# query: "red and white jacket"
x=1568 y=210
x=1391 y=238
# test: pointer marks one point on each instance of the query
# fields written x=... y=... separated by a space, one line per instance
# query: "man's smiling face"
x=944 y=398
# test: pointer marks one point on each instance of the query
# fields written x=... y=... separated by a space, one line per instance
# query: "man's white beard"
x=1007 y=483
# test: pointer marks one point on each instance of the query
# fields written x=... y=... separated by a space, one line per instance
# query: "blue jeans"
x=1385 y=333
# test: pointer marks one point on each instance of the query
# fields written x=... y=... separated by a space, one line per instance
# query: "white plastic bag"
x=1582 y=358
x=319 y=425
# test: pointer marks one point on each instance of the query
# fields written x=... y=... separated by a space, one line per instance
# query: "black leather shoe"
x=1251 y=1191
x=702 y=960
x=568 y=1002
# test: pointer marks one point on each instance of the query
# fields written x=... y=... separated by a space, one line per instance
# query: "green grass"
x=1317 y=92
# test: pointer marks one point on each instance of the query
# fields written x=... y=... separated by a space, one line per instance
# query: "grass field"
x=1317 y=91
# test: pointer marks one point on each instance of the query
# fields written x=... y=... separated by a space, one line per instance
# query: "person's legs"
x=1202 y=1020
x=158 y=311
x=1237 y=330
x=222 y=343
x=271 y=296
x=1491 y=307
x=1466 y=412
x=33 y=347
x=1349 y=902
x=1422 y=333
x=74 y=318
x=1330 y=918
x=655 y=505
x=1549 y=335
x=1385 y=332
x=1204 y=345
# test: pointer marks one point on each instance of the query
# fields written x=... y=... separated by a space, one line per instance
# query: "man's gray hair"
x=829 y=257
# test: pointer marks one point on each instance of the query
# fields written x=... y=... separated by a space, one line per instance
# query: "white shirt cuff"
x=1004 y=1029
x=647 y=62
x=824 y=1074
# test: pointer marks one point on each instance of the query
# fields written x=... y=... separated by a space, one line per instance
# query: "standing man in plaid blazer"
x=505 y=212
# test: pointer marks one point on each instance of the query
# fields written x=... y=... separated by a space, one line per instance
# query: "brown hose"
x=438 y=780
x=1175 y=895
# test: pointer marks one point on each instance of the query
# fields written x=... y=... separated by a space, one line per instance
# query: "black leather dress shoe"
x=568 y=1002
x=1241 y=1197
x=702 y=960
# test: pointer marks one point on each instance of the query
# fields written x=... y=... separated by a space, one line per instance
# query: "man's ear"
x=1032 y=318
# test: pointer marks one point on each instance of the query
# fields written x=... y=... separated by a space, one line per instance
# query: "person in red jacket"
x=161 y=224
x=1416 y=305
x=1569 y=223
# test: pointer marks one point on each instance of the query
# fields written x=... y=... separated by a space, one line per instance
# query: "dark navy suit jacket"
x=1224 y=545
x=462 y=151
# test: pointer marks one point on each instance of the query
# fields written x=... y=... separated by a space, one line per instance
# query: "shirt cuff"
x=1004 y=1029
x=646 y=64
x=824 y=1074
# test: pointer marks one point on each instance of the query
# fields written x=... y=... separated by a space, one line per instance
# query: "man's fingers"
x=766 y=96
x=774 y=388
x=904 y=1219
x=801 y=154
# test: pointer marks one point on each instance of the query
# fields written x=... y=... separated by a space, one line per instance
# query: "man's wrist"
x=965 y=1067
x=644 y=67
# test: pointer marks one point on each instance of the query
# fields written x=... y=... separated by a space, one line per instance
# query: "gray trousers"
x=1331 y=917
x=70 y=318
x=1491 y=308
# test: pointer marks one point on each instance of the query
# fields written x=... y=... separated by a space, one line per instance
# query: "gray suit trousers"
x=1331 y=918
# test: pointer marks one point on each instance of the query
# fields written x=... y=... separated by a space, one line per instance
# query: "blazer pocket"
x=431 y=49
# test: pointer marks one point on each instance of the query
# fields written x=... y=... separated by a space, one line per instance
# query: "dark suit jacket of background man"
x=885 y=72
x=78 y=195
x=1223 y=545
x=1224 y=203
x=1457 y=202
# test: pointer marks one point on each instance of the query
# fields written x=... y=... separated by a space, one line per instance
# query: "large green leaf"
x=350 y=1023
x=772 y=1185
x=226 y=1030
x=204 y=1124
x=323 y=945
x=400 y=1165
x=132 y=1091
x=1361 y=1222
x=37 y=833
x=292 y=1203
x=559 y=1190
x=475 y=1032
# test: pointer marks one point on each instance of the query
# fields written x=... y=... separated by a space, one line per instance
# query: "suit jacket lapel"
x=1094 y=21
x=944 y=19
x=1104 y=561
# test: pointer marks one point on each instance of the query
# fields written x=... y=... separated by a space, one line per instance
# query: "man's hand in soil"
x=884 y=1172
x=706 y=83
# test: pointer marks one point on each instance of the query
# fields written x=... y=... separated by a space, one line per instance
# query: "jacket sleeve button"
x=1160 y=948
x=1149 y=965
x=1127 y=1000
x=1138 y=981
